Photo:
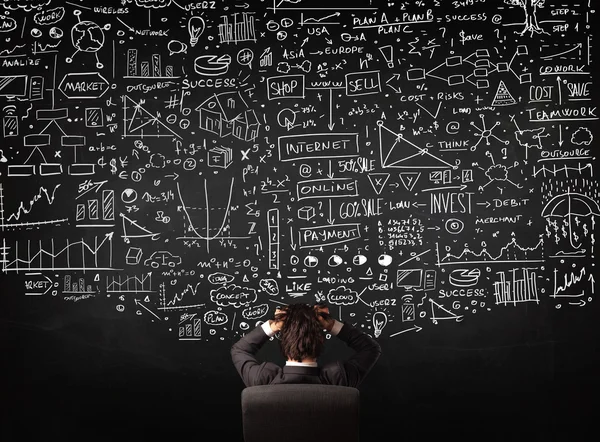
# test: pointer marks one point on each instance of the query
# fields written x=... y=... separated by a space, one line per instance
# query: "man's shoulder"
x=332 y=373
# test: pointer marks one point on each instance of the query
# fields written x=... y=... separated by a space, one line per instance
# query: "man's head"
x=301 y=336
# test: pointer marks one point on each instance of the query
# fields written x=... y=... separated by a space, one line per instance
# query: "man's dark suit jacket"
x=349 y=373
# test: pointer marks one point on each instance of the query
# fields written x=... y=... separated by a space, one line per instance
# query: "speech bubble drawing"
x=155 y=4
x=49 y=17
x=270 y=286
x=214 y=317
x=176 y=47
x=342 y=296
x=233 y=295
x=7 y=24
x=255 y=311
x=27 y=5
x=220 y=278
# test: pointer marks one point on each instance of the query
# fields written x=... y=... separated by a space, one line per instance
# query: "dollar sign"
x=113 y=166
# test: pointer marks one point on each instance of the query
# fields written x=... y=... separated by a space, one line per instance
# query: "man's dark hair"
x=301 y=335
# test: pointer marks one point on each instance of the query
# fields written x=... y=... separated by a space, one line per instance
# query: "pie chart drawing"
x=128 y=196
x=286 y=118
x=212 y=65
x=311 y=261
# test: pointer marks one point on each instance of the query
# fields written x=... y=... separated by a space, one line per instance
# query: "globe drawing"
x=87 y=36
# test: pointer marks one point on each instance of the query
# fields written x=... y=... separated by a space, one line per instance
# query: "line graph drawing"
x=554 y=171
x=282 y=5
x=509 y=253
x=308 y=21
x=192 y=232
x=576 y=47
x=43 y=194
x=129 y=284
x=569 y=280
x=190 y=290
x=77 y=255
x=173 y=303
x=392 y=148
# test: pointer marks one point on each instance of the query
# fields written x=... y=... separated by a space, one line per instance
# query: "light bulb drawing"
x=196 y=28
x=87 y=36
x=379 y=322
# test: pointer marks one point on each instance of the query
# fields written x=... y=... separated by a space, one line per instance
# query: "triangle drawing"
x=503 y=96
x=138 y=122
x=409 y=179
x=378 y=181
x=134 y=230
x=437 y=309
x=398 y=152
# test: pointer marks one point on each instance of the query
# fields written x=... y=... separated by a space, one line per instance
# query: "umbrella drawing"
x=569 y=205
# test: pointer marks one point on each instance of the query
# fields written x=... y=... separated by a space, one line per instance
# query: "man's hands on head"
x=325 y=319
x=323 y=316
x=277 y=322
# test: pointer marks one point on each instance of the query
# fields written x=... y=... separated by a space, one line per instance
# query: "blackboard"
x=172 y=171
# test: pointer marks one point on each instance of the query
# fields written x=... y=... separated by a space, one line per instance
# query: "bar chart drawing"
x=190 y=329
x=515 y=290
x=152 y=68
x=76 y=286
x=237 y=27
x=94 y=209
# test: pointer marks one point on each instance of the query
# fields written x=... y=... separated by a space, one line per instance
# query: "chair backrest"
x=300 y=412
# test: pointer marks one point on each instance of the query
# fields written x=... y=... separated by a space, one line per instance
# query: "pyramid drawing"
x=409 y=179
x=398 y=152
x=141 y=123
x=378 y=181
x=503 y=96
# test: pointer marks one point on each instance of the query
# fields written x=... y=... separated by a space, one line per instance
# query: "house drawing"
x=228 y=114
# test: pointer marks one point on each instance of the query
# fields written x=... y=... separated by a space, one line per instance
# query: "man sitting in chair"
x=300 y=329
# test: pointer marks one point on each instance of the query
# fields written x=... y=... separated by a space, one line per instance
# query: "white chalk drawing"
x=206 y=162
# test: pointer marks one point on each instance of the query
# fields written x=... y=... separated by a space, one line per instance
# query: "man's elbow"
x=376 y=350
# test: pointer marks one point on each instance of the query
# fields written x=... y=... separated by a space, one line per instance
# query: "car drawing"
x=162 y=258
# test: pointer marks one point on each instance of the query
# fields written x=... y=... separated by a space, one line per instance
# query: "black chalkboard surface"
x=172 y=171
